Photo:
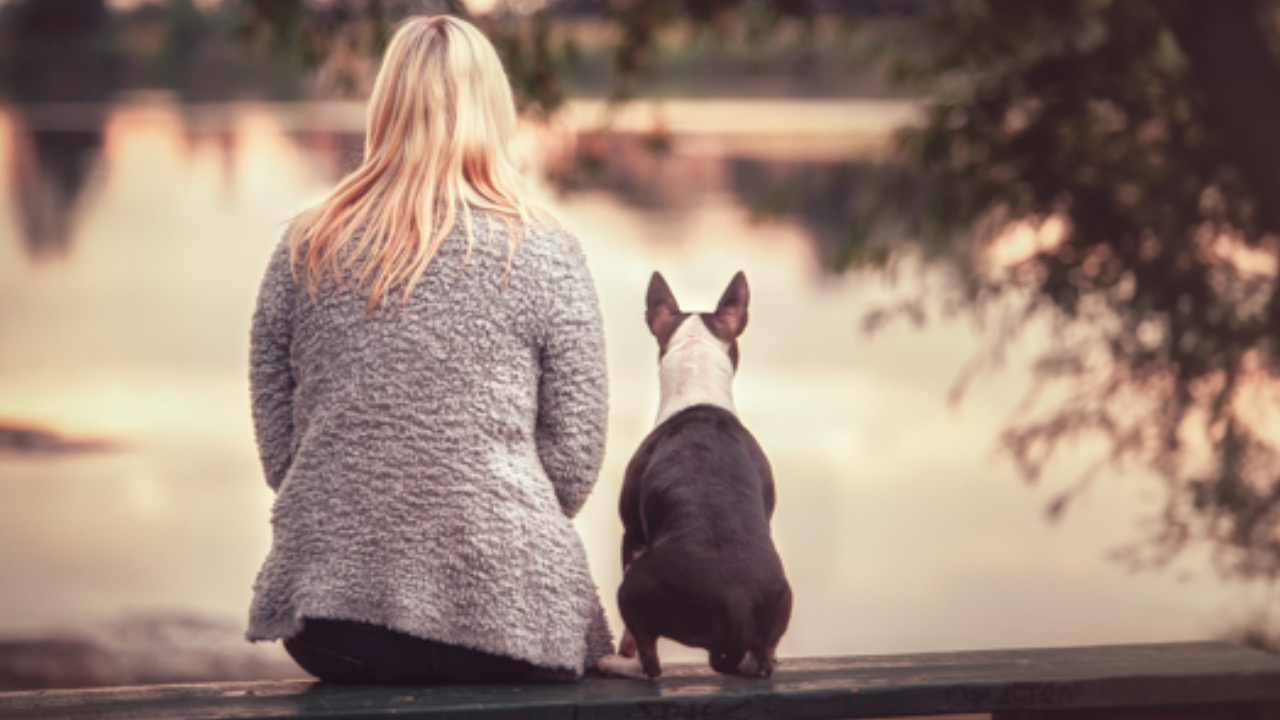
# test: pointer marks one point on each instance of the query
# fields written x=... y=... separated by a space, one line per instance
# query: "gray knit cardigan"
x=428 y=459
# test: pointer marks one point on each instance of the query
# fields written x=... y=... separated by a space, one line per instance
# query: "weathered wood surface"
x=1132 y=676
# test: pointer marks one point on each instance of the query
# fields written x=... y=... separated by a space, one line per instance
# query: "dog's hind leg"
x=763 y=656
x=627 y=647
x=647 y=647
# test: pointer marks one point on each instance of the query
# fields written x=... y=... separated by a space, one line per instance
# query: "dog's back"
x=696 y=503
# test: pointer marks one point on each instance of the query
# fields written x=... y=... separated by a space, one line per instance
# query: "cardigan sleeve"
x=271 y=380
x=573 y=388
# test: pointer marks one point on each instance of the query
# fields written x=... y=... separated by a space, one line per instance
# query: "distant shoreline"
x=751 y=115
x=28 y=440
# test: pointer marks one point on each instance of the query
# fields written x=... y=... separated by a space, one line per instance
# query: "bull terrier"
x=699 y=563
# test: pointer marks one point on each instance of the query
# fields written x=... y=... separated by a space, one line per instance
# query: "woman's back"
x=427 y=372
x=437 y=449
x=461 y=358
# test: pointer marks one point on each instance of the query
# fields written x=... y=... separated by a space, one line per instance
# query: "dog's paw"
x=753 y=666
x=619 y=666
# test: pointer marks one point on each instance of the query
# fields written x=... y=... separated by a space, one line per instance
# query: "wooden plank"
x=1245 y=711
x=1133 y=676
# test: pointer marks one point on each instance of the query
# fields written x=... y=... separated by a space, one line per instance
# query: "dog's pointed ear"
x=661 y=310
x=731 y=311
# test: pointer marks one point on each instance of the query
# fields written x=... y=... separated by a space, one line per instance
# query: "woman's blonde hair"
x=439 y=122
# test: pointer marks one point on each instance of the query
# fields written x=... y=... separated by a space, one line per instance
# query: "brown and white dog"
x=699 y=562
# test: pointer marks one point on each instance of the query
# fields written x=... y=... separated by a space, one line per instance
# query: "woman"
x=429 y=399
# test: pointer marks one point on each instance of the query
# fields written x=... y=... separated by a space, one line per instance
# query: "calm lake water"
x=132 y=241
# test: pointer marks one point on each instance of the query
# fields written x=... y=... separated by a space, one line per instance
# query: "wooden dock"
x=1134 y=682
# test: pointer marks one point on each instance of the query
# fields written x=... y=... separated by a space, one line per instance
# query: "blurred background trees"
x=1111 y=166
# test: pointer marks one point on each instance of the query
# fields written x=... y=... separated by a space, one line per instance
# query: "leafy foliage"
x=342 y=39
x=1080 y=131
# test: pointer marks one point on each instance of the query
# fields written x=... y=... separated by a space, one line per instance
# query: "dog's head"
x=671 y=326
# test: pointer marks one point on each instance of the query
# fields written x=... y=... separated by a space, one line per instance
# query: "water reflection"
x=61 y=72
x=51 y=172
x=143 y=649
x=642 y=172
x=820 y=195
x=670 y=178
x=19 y=439
x=899 y=530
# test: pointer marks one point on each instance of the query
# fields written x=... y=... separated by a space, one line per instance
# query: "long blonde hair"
x=439 y=122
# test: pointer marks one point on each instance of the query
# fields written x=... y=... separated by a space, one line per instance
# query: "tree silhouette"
x=341 y=39
x=1130 y=142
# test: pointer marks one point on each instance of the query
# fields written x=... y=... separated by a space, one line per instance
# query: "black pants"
x=341 y=651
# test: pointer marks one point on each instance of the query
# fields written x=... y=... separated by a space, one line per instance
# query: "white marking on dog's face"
x=694 y=332
x=695 y=370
